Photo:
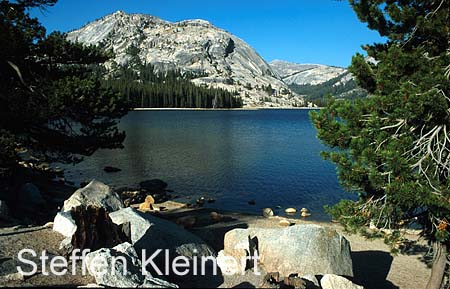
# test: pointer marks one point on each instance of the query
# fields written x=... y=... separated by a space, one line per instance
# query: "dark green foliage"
x=51 y=102
x=268 y=89
x=143 y=87
x=366 y=77
x=393 y=147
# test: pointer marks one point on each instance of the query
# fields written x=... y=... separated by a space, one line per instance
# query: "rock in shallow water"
x=268 y=212
x=290 y=211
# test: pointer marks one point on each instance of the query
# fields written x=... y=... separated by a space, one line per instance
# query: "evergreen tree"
x=171 y=89
x=393 y=147
x=51 y=99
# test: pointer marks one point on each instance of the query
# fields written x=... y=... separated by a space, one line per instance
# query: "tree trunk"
x=439 y=264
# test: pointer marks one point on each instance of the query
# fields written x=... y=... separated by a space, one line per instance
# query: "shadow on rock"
x=244 y=285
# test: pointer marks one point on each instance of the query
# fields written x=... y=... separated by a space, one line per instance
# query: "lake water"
x=270 y=156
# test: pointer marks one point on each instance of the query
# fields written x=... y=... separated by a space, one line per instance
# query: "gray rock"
x=30 y=197
x=108 y=269
x=299 y=249
x=152 y=233
x=331 y=281
x=95 y=194
x=64 y=224
x=4 y=211
x=268 y=212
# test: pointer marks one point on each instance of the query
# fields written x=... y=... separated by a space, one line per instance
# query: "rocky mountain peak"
x=222 y=59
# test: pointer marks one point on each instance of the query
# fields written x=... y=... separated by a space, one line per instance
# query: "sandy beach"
x=374 y=266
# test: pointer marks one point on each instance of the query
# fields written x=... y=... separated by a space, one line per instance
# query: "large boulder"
x=330 y=281
x=108 y=269
x=95 y=194
x=152 y=233
x=300 y=249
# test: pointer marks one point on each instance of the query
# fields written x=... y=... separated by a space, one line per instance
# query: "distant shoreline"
x=211 y=109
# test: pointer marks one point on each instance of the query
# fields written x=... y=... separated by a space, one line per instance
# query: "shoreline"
x=222 y=109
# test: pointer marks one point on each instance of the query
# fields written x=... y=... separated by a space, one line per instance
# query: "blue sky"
x=302 y=31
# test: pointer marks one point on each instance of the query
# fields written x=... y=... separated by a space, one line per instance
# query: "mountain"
x=313 y=81
x=294 y=73
x=219 y=58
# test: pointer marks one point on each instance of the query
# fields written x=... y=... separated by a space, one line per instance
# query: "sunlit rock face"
x=220 y=58
x=294 y=73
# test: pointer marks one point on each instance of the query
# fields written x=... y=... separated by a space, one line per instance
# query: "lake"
x=270 y=156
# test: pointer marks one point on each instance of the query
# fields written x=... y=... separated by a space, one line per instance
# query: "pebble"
x=201 y=201
x=149 y=200
x=284 y=223
x=305 y=214
x=267 y=212
x=290 y=211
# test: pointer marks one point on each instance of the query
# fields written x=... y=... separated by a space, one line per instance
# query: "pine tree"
x=51 y=99
x=393 y=147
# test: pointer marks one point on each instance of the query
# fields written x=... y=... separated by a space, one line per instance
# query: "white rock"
x=108 y=269
x=331 y=281
x=64 y=224
x=95 y=194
